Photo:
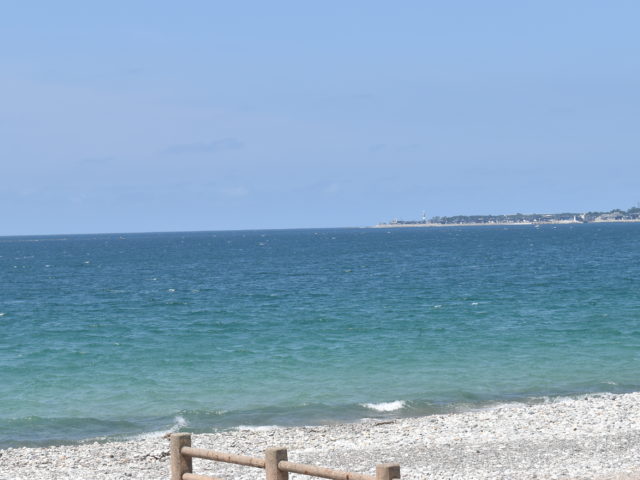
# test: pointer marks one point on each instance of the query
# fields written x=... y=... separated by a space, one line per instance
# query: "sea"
x=120 y=336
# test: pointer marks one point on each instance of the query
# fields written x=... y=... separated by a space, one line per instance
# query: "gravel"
x=591 y=437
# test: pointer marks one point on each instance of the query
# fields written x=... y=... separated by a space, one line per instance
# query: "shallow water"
x=109 y=336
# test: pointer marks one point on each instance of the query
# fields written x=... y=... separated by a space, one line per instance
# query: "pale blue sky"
x=158 y=116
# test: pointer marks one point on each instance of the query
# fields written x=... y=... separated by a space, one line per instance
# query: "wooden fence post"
x=180 y=464
x=387 y=471
x=272 y=457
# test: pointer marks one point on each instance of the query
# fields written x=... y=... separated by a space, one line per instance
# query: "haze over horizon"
x=149 y=116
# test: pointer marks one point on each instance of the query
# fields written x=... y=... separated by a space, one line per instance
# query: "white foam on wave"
x=146 y=436
x=179 y=422
x=385 y=406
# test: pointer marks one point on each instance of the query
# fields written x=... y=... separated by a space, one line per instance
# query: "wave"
x=38 y=431
x=385 y=406
x=179 y=424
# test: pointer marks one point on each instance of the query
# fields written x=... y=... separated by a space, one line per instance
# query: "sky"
x=202 y=115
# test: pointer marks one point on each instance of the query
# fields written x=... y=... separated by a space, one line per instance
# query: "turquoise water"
x=110 y=336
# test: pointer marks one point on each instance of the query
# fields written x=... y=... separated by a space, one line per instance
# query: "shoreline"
x=495 y=224
x=594 y=436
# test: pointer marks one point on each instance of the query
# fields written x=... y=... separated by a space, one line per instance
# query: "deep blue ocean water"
x=110 y=336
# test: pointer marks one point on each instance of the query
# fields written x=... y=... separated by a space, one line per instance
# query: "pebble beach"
x=588 y=437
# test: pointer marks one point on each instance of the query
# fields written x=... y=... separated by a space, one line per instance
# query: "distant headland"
x=616 y=215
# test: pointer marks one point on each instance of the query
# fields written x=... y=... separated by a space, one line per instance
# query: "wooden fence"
x=275 y=463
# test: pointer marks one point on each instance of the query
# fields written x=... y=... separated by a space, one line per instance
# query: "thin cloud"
x=95 y=161
x=206 y=147
x=393 y=148
x=233 y=192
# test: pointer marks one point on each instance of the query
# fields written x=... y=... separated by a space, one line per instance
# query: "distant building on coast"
x=617 y=215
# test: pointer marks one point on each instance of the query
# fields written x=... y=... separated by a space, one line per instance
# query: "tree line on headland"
x=616 y=215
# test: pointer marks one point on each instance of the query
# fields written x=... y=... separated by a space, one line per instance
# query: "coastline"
x=590 y=437
x=495 y=224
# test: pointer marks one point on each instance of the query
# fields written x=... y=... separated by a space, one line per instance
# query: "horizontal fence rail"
x=223 y=457
x=275 y=463
x=193 y=476
x=321 y=471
